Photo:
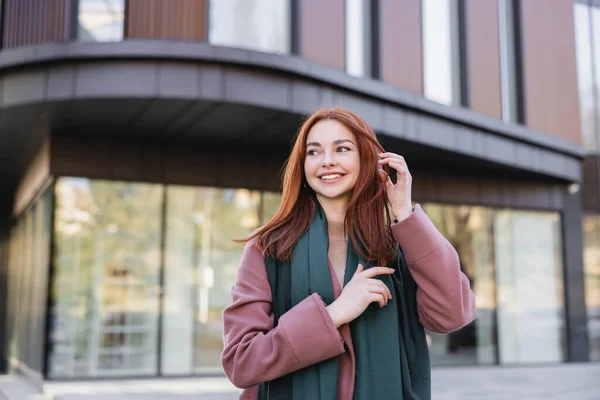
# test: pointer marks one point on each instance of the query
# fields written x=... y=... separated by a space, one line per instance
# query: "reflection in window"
x=105 y=291
x=441 y=62
x=358 y=28
x=28 y=271
x=530 y=286
x=591 y=260
x=507 y=60
x=585 y=78
x=262 y=25
x=101 y=20
x=469 y=230
x=201 y=264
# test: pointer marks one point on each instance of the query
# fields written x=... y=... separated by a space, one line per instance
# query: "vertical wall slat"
x=549 y=68
x=401 y=54
x=323 y=32
x=483 y=57
x=167 y=19
x=28 y=22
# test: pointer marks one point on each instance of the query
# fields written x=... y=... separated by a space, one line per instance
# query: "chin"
x=334 y=195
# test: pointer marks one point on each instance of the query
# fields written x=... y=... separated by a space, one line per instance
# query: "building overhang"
x=183 y=92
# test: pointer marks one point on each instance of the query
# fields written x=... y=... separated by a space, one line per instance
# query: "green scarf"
x=392 y=357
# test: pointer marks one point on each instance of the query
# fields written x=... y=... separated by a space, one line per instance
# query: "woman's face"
x=332 y=161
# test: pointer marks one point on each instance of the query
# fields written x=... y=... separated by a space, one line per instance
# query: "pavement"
x=560 y=382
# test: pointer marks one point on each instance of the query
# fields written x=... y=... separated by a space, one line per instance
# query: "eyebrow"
x=336 y=142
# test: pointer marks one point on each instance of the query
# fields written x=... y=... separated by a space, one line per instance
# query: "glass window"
x=595 y=19
x=105 y=292
x=441 y=58
x=585 y=76
x=28 y=269
x=530 y=286
x=507 y=60
x=262 y=25
x=591 y=260
x=101 y=20
x=469 y=230
x=358 y=33
x=201 y=264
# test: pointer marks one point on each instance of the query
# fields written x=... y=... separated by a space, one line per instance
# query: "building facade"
x=139 y=138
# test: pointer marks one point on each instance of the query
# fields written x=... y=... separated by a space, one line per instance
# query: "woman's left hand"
x=399 y=194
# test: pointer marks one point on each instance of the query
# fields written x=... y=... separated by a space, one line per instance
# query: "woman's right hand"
x=361 y=291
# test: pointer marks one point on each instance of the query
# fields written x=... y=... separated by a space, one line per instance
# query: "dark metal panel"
x=369 y=109
x=256 y=88
x=129 y=88
x=436 y=132
x=411 y=127
x=23 y=87
x=467 y=139
x=114 y=79
x=575 y=308
x=323 y=32
x=498 y=149
x=483 y=57
x=211 y=85
x=549 y=68
x=400 y=36
x=393 y=118
x=304 y=96
x=61 y=82
x=178 y=80
x=525 y=156
x=199 y=52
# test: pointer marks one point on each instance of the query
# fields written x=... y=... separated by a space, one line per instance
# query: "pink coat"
x=256 y=352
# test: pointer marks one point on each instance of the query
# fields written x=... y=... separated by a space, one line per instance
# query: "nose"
x=328 y=159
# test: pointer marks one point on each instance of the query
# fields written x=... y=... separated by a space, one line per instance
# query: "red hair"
x=367 y=218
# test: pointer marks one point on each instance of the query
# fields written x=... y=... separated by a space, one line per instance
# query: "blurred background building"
x=139 y=137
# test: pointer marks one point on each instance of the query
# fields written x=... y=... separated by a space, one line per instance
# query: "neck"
x=335 y=209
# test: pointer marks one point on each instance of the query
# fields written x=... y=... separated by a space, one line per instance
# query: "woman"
x=332 y=298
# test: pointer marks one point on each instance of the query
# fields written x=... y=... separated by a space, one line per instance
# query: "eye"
x=343 y=149
x=312 y=152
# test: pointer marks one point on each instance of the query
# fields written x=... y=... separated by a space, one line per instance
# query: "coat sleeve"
x=254 y=350
x=445 y=300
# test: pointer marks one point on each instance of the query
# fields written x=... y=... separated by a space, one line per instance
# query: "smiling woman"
x=331 y=297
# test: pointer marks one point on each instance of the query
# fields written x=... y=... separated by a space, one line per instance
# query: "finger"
x=374 y=271
x=382 y=286
x=390 y=155
x=387 y=157
x=380 y=290
x=400 y=170
x=385 y=178
x=376 y=298
x=359 y=269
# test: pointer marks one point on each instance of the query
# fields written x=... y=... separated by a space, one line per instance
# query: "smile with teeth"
x=331 y=177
